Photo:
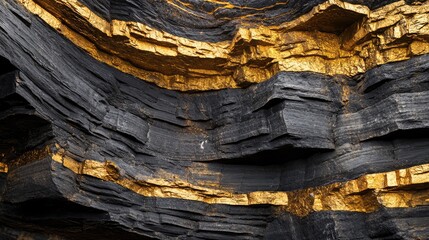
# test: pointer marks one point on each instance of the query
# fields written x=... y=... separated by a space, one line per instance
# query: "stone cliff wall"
x=214 y=119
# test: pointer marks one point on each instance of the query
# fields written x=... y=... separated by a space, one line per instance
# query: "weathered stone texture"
x=89 y=152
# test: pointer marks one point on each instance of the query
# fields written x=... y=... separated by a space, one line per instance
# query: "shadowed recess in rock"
x=335 y=37
x=90 y=152
x=210 y=20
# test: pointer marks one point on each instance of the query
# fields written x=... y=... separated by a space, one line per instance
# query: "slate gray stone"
x=290 y=132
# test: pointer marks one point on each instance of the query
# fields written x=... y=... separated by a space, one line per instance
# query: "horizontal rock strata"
x=359 y=39
x=90 y=150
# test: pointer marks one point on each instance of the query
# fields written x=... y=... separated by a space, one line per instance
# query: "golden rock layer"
x=3 y=168
x=401 y=188
x=318 y=41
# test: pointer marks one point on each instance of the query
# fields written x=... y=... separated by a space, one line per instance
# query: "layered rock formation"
x=214 y=119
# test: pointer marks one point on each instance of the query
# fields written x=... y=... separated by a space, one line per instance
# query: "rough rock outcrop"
x=214 y=119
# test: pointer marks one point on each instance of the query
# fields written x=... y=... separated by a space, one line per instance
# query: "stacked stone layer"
x=88 y=151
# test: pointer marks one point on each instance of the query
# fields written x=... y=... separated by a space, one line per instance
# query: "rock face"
x=214 y=119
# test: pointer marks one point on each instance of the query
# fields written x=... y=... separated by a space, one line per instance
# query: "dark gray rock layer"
x=210 y=20
x=293 y=131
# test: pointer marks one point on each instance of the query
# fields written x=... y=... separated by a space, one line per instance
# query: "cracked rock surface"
x=90 y=152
